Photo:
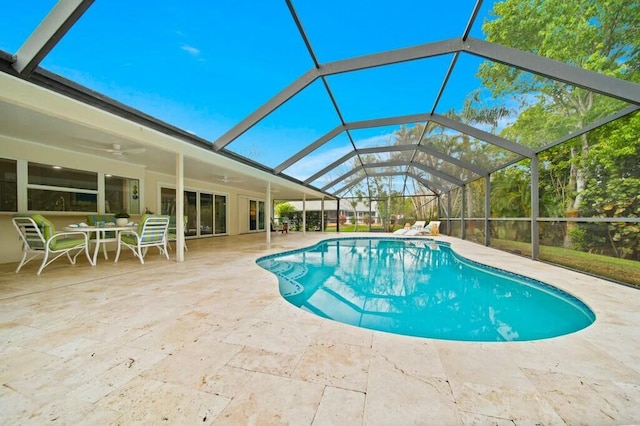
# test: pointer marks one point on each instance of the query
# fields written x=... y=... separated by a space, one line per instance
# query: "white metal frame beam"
x=48 y=33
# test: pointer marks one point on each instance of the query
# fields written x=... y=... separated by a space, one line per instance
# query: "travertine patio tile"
x=335 y=332
x=485 y=364
x=14 y=334
x=64 y=411
x=340 y=407
x=263 y=361
x=170 y=336
x=600 y=401
x=415 y=357
x=145 y=401
x=118 y=366
x=399 y=397
x=226 y=381
x=274 y=336
x=194 y=363
x=521 y=407
x=18 y=362
x=572 y=355
x=183 y=343
x=339 y=365
x=280 y=309
x=267 y=399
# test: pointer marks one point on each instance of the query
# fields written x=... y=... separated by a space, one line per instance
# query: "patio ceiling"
x=322 y=114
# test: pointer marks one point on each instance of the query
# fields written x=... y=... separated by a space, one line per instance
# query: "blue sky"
x=205 y=66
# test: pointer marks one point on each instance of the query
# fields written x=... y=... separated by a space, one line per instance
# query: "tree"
x=284 y=209
x=614 y=187
x=599 y=35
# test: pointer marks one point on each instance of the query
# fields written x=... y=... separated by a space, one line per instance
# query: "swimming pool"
x=420 y=287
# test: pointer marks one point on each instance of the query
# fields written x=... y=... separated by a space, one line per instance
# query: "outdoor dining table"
x=100 y=233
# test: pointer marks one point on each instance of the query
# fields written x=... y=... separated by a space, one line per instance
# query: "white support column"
x=267 y=214
x=22 y=179
x=304 y=214
x=101 y=194
x=179 y=207
x=322 y=215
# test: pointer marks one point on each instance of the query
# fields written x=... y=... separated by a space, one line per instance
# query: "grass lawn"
x=627 y=271
x=351 y=228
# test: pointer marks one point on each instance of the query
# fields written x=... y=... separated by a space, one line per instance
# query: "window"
x=8 y=186
x=121 y=194
x=53 y=188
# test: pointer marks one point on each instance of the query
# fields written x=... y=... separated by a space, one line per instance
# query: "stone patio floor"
x=210 y=341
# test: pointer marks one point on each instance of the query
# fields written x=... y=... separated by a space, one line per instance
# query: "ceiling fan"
x=226 y=179
x=117 y=150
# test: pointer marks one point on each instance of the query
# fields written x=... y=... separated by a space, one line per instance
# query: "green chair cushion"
x=129 y=239
x=66 y=243
x=106 y=218
x=92 y=219
x=171 y=234
x=46 y=226
x=152 y=238
x=48 y=230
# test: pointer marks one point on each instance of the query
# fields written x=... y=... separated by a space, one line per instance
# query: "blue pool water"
x=418 y=287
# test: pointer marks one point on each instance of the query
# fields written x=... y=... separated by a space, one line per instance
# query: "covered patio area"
x=210 y=341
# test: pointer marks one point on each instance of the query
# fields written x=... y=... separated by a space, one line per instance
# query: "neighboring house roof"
x=315 y=205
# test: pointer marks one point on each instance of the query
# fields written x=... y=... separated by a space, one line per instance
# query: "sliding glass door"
x=256 y=215
x=204 y=216
x=220 y=212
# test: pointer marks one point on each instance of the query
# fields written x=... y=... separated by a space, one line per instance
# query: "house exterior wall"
x=150 y=184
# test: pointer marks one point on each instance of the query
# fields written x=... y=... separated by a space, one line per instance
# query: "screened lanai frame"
x=438 y=179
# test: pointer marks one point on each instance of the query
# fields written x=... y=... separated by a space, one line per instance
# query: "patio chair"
x=39 y=238
x=109 y=236
x=285 y=224
x=276 y=226
x=172 y=232
x=151 y=232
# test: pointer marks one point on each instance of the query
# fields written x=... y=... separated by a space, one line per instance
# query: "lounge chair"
x=433 y=228
x=415 y=229
x=39 y=238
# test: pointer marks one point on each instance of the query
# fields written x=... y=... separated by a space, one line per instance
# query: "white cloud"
x=377 y=140
x=313 y=163
x=190 y=50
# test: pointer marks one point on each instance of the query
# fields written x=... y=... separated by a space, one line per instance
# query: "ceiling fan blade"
x=226 y=179
x=95 y=148
x=134 y=150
